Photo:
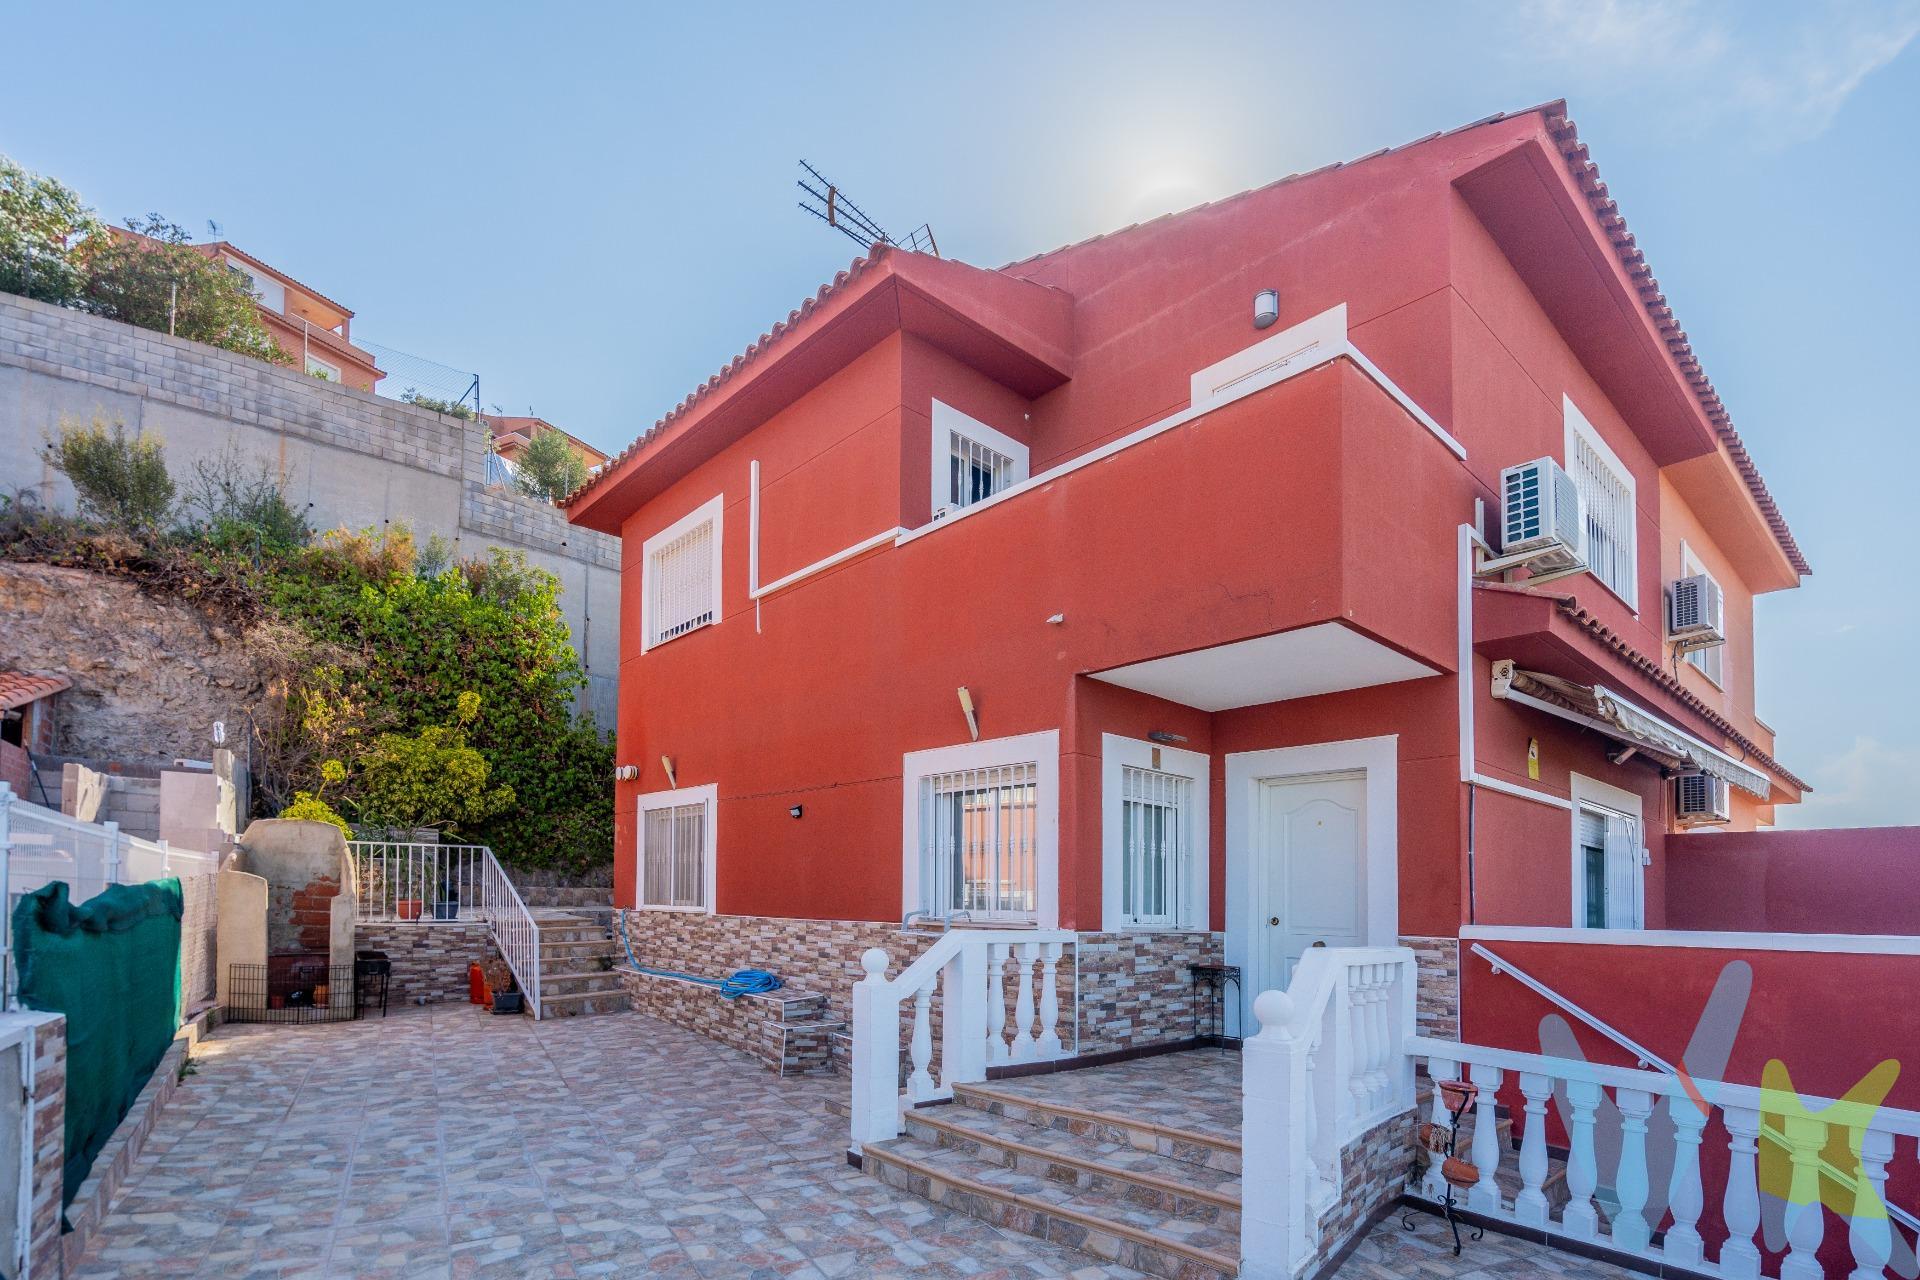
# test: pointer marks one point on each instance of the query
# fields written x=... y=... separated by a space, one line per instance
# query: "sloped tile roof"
x=18 y=688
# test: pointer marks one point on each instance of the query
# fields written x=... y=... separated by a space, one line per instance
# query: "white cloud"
x=1868 y=785
x=1780 y=75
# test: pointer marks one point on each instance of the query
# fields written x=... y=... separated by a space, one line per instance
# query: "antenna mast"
x=830 y=204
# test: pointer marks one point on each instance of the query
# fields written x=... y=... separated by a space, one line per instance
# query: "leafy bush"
x=312 y=808
x=549 y=468
x=122 y=482
x=152 y=276
x=452 y=408
x=431 y=779
x=40 y=223
x=243 y=506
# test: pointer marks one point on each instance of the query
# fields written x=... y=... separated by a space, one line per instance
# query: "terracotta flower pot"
x=1457 y=1095
x=1459 y=1173
x=1433 y=1137
x=407 y=908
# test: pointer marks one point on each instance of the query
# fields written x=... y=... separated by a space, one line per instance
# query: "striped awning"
x=1604 y=711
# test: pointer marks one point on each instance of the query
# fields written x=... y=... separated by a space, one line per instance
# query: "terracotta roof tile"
x=18 y=688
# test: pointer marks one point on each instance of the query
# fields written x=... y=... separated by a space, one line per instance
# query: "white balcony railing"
x=971 y=969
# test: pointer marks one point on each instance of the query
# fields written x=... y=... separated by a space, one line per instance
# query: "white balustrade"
x=1878 y=1233
x=416 y=881
x=970 y=969
x=1328 y=1065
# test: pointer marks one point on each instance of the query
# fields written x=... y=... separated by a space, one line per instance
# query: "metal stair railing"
x=512 y=926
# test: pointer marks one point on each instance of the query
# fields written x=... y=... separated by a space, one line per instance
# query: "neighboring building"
x=26 y=725
x=309 y=326
x=511 y=435
x=1067 y=595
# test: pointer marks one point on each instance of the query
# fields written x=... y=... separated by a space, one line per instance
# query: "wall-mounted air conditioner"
x=1541 y=520
x=1701 y=800
x=1696 y=613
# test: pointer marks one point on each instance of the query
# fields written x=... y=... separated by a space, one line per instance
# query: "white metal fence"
x=415 y=882
x=41 y=846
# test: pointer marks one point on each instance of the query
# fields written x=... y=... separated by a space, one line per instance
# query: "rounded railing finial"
x=1274 y=1009
x=875 y=960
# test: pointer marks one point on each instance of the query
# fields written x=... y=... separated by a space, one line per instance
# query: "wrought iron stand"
x=1456 y=1096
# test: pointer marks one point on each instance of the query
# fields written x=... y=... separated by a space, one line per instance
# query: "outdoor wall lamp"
x=966 y=705
x=1266 y=308
x=626 y=772
x=796 y=810
x=666 y=762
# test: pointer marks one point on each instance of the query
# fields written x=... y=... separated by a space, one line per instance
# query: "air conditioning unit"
x=1700 y=800
x=1541 y=517
x=1696 y=613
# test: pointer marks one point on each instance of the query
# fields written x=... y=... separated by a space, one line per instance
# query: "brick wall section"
x=786 y=1031
x=1437 y=991
x=298 y=916
x=196 y=939
x=1134 y=988
x=429 y=960
x=1373 y=1173
x=49 y=1145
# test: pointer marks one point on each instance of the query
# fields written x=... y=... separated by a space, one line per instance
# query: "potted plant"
x=407 y=908
x=446 y=906
x=502 y=995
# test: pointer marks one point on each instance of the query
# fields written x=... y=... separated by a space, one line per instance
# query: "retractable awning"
x=1600 y=709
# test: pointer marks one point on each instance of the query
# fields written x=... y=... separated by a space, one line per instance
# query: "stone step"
x=581 y=1002
x=1101 y=1224
x=564 y=983
x=1207 y=1150
x=584 y=948
x=551 y=933
x=1144 y=1179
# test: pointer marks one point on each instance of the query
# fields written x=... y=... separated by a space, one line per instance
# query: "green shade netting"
x=112 y=966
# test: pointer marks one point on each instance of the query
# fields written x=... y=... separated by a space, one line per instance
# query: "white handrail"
x=512 y=927
x=1641 y=1054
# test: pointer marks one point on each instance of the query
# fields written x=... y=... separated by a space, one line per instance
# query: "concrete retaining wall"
x=346 y=457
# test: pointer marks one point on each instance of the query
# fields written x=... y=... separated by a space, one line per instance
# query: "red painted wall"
x=1860 y=880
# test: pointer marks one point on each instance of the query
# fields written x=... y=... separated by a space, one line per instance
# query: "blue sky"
x=593 y=208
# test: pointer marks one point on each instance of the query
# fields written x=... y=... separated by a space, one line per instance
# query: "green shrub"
x=157 y=279
x=243 y=506
x=311 y=808
x=41 y=222
x=452 y=408
x=120 y=481
x=549 y=468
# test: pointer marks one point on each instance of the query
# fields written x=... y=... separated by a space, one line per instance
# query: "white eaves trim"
x=1304 y=347
x=1829 y=943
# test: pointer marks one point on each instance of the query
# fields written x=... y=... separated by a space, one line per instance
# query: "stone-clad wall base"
x=787 y=1030
x=1134 y=988
x=1373 y=1173
x=1437 y=991
x=429 y=959
x=44 y=1245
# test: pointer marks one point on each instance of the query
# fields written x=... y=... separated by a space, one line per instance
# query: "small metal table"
x=1215 y=978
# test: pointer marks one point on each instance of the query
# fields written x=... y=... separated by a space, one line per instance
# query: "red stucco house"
x=1156 y=589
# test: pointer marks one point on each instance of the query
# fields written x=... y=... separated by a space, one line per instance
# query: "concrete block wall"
x=346 y=457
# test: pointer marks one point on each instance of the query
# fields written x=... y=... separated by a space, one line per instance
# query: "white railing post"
x=1438 y=1070
x=1580 y=1219
x=1050 y=1047
x=997 y=1003
x=1025 y=1047
x=1684 y=1195
x=1870 y=1233
x=1484 y=1197
x=1530 y=1206
x=110 y=873
x=1739 y=1256
x=920 y=1082
x=963 y=1018
x=1631 y=1230
x=1806 y=1218
x=876 y=1053
x=1273 y=1212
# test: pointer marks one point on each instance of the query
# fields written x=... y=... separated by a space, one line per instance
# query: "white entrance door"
x=1311 y=869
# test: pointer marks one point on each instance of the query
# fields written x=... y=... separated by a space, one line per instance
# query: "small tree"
x=432 y=779
x=152 y=276
x=120 y=481
x=41 y=222
x=549 y=468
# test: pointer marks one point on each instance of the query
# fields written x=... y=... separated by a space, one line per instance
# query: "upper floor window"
x=1710 y=661
x=1607 y=493
x=681 y=569
x=318 y=368
x=971 y=461
x=271 y=293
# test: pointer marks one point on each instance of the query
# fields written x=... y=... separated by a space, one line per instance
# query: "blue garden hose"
x=746 y=982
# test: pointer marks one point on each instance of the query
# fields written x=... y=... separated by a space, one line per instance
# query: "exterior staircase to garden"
x=577 y=956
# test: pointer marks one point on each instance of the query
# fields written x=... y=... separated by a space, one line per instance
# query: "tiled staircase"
x=1158 y=1199
x=577 y=955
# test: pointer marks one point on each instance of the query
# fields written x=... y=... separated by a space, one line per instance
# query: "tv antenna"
x=829 y=203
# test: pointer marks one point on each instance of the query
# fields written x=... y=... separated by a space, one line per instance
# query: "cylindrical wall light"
x=626 y=772
x=1266 y=308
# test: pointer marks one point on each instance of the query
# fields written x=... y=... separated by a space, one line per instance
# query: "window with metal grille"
x=673 y=856
x=1156 y=839
x=977 y=472
x=979 y=853
x=1606 y=491
x=682 y=588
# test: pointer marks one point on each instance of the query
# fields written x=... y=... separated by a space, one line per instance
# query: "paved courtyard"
x=446 y=1142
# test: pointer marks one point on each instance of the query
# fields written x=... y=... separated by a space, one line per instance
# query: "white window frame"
x=268 y=292
x=1042 y=750
x=1591 y=793
x=1711 y=661
x=949 y=421
x=1193 y=886
x=713 y=509
x=316 y=365
x=709 y=795
x=1579 y=429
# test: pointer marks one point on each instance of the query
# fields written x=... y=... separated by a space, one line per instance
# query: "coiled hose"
x=745 y=982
